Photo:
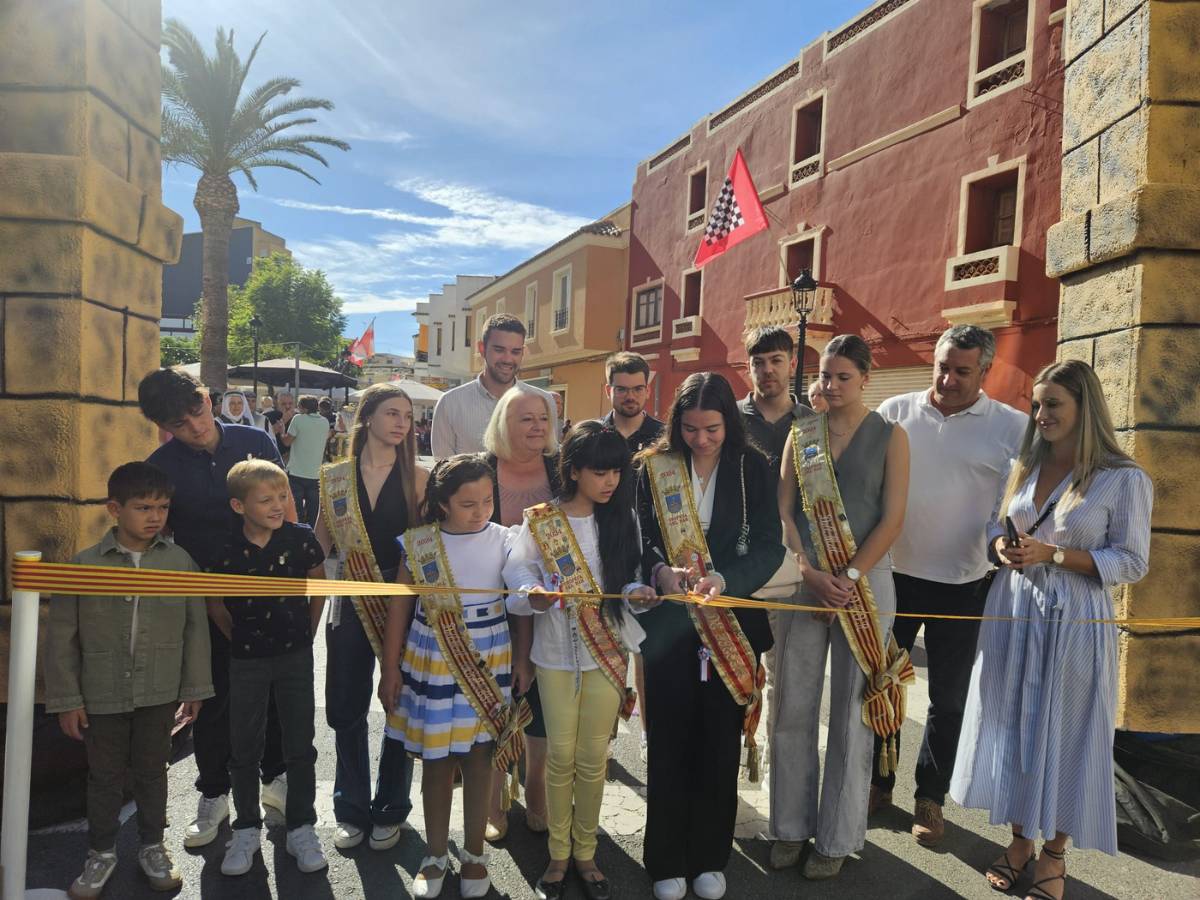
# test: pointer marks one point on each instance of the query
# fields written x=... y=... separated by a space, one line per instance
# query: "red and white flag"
x=736 y=215
x=364 y=348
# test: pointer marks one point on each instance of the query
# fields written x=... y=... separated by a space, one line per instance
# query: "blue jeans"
x=348 y=697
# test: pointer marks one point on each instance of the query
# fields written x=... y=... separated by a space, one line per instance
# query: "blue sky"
x=480 y=132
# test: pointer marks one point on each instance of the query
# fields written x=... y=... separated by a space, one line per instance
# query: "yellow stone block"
x=145 y=163
x=146 y=18
x=1172 y=155
x=1167 y=387
x=1158 y=682
x=41 y=366
x=1079 y=349
x=1116 y=10
x=1078 y=186
x=45 y=257
x=46 y=525
x=1163 y=216
x=1175 y=38
x=123 y=66
x=109 y=436
x=1084 y=26
x=42 y=122
x=101 y=356
x=108 y=136
x=1172 y=459
x=39 y=448
x=161 y=234
x=1171 y=589
x=141 y=353
x=1067 y=246
x=43 y=42
x=1169 y=292
x=1123 y=155
x=120 y=276
x=1100 y=299
x=1105 y=84
x=1115 y=366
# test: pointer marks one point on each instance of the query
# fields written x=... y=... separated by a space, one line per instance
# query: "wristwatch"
x=853 y=574
x=1060 y=556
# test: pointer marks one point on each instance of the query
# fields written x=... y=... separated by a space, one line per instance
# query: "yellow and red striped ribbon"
x=107 y=581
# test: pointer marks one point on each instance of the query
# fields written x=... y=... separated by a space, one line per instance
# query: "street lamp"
x=804 y=296
x=255 y=324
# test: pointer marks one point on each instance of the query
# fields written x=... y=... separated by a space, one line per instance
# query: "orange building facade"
x=911 y=160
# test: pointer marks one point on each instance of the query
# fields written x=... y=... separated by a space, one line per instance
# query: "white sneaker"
x=670 y=889
x=210 y=813
x=304 y=844
x=385 y=837
x=428 y=888
x=709 y=885
x=159 y=868
x=347 y=837
x=96 y=872
x=274 y=794
x=239 y=852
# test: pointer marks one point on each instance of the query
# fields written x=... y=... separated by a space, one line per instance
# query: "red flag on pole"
x=736 y=215
x=364 y=348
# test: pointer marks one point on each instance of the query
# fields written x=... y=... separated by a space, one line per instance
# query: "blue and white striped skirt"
x=434 y=718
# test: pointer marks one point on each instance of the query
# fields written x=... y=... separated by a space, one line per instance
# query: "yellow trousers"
x=578 y=728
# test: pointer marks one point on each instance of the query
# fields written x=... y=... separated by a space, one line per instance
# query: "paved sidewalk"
x=891 y=865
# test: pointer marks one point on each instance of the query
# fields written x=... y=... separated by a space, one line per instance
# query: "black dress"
x=695 y=727
x=386 y=522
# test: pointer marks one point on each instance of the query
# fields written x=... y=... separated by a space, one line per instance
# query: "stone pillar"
x=1128 y=253
x=83 y=237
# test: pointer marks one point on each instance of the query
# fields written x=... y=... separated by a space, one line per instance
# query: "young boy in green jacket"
x=120 y=671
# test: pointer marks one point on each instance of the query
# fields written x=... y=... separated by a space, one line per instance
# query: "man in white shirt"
x=962 y=443
x=462 y=414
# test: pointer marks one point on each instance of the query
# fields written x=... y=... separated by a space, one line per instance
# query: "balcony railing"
x=778 y=308
x=983 y=267
x=562 y=316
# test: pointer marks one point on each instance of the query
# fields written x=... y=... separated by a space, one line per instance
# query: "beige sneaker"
x=928 y=824
x=96 y=872
x=785 y=854
x=159 y=868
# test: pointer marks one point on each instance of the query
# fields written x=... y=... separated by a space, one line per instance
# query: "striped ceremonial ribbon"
x=105 y=581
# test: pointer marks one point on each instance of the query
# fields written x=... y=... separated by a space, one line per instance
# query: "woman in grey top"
x=871 y=463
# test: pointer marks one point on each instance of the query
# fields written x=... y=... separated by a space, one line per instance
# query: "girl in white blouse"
x=579 y=699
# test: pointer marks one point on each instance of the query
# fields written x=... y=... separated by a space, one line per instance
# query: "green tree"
x=178 y=351
x=211 y=123
x=294 y=304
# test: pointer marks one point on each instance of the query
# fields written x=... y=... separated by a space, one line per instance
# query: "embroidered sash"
x=339 y=508
x=505 y=721
x=564 y=560
x=886 y=664
x=719 y=630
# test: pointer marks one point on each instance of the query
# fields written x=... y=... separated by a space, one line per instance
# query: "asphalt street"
x=890 y=866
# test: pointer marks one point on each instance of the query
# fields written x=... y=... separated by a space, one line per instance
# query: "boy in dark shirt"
x=271 y=648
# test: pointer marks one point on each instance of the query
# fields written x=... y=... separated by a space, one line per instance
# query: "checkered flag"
x=736 y=215
x=726 y=215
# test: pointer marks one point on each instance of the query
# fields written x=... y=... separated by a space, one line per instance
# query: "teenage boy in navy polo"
x=271 y=644
x=197 y=460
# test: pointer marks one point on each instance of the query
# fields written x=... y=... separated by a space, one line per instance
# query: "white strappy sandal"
x=431 y=887
x=474 y=887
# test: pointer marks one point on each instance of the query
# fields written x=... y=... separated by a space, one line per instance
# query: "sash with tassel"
x=886 y=665
x=504 y=720
x=339 y=508
x=566 y=565
x=724 y=643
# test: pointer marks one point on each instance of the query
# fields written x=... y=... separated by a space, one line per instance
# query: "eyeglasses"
x=621 y=391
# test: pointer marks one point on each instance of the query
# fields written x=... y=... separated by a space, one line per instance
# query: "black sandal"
x=1035 y=891
x=1007 y=870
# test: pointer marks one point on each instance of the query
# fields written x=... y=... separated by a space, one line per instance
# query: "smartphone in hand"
x=1014 y=536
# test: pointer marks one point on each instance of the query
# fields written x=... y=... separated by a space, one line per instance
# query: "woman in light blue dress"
x=1036 y=743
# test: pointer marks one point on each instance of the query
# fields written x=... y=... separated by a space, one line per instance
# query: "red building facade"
x=910 y=159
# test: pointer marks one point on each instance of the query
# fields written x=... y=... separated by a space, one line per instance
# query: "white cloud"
x=369 y=273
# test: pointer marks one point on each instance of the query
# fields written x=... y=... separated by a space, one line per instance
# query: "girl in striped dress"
x=427 y=709
x=1036 y=743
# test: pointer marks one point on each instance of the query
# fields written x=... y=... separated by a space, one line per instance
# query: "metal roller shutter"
x=886 y=383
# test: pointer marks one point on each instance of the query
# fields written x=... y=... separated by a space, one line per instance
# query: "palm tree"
x=208 y=122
